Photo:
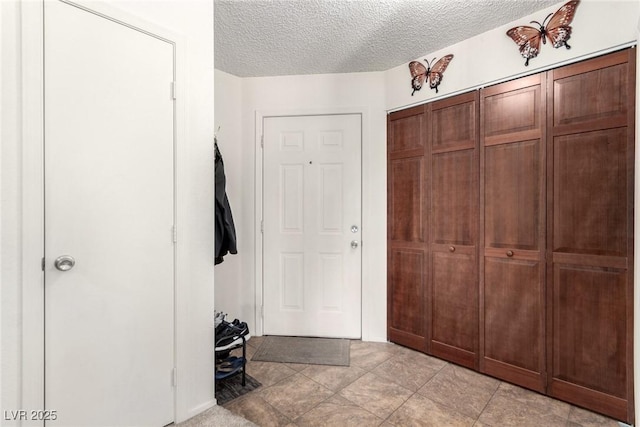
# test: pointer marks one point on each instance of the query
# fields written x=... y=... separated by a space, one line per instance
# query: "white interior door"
x=109 y=203
x=312 y=219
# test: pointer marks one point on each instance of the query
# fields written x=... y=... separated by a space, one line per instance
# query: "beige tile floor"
x=389 y=385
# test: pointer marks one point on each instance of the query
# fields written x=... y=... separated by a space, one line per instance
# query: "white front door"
x=109 y=203
x=312 y=226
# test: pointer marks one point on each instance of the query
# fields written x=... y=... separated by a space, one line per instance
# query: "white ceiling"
x=283 y=37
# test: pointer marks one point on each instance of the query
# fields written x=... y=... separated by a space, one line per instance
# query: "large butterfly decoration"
x=432 y=72
x=558 y=30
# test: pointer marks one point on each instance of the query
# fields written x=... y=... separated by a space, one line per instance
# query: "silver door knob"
x=354 y=244
x=354 y=228
x=64 y=262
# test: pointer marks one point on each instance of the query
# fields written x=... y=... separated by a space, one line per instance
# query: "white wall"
x=492 y=56
x=192 y=21
x=307 y=94
x=230 y=275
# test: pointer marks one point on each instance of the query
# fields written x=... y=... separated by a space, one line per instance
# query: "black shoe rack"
x=228 y=366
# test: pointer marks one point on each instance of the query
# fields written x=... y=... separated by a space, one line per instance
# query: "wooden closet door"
x=454 y=229
x=512 y=330
x=407 y=222
x=590 y=294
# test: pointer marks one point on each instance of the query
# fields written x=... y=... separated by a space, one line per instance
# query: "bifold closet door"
x=454 y=229
x=512 y=330
x=590 y=283
x=407 y=229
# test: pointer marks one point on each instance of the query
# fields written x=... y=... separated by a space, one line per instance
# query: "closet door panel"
x=454 y=334
x=590 y=327
x=454 y=229
x=454 y=197
x=512 y=194
x=454 y=126
x=590 y=338
x=407 y=227
x=407 y=292
x=406 y=199
x=512 y=307
x=512 y=212
x=606 y=104
x=406 y=129
x=590 y=193
x=512 y=111
x=590 y=295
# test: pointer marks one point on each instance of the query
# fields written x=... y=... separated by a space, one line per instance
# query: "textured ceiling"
x=283 y=37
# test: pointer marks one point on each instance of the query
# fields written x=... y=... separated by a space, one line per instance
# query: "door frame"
x=260 y=116
x=32 y=375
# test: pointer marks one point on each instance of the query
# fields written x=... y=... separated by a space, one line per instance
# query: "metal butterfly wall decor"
x=557 y=30
x=432 y=72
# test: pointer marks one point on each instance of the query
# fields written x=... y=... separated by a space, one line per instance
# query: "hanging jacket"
x=225 y=239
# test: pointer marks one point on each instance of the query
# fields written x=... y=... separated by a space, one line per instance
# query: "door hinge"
x=173 y=90
x=262 y=226
x=174 y=234
x=42 y=264
x=262 y=311
x=262 y=141
x=174 y=377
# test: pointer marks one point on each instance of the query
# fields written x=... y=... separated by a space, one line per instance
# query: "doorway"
x=312 y=224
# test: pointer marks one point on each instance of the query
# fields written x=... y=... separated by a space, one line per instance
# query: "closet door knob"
x=452 y=248
x=509 y=253
x=64 y=263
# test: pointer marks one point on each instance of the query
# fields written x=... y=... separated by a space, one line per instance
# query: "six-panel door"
x=312 y=225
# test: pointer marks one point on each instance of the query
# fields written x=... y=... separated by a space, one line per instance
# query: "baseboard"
x=196 y=410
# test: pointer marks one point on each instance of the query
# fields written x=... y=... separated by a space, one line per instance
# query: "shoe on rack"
x=223 y=348
x=231 y=333
x=221 y=327
x=218 y=319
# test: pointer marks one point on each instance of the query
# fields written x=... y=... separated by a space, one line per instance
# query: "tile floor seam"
x=386 y=379
x=374 y=367
x=386 y=420
x=289 y=420
x=253 y=393
x=337 y=390
x=452 y=408
x=365 y=409
x=518 y=402
x=311 y=409
x=383 y=420
x=488 y=401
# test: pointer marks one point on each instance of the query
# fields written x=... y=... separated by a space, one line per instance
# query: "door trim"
x=260 y=116
x=32 y=175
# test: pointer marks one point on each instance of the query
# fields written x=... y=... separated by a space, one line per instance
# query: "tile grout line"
x=484 y=408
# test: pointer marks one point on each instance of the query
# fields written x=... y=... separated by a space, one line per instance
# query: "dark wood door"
x=590 y=293
x=407 y=226
x=454 y=229
x=512 y=321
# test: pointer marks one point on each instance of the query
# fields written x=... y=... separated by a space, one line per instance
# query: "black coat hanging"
x=225 y=237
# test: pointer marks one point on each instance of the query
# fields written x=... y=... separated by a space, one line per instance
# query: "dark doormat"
x=313 y=351
x=230 y=388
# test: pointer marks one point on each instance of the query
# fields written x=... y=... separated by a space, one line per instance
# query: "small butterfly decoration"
x=557 y=30
x=432 y=72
